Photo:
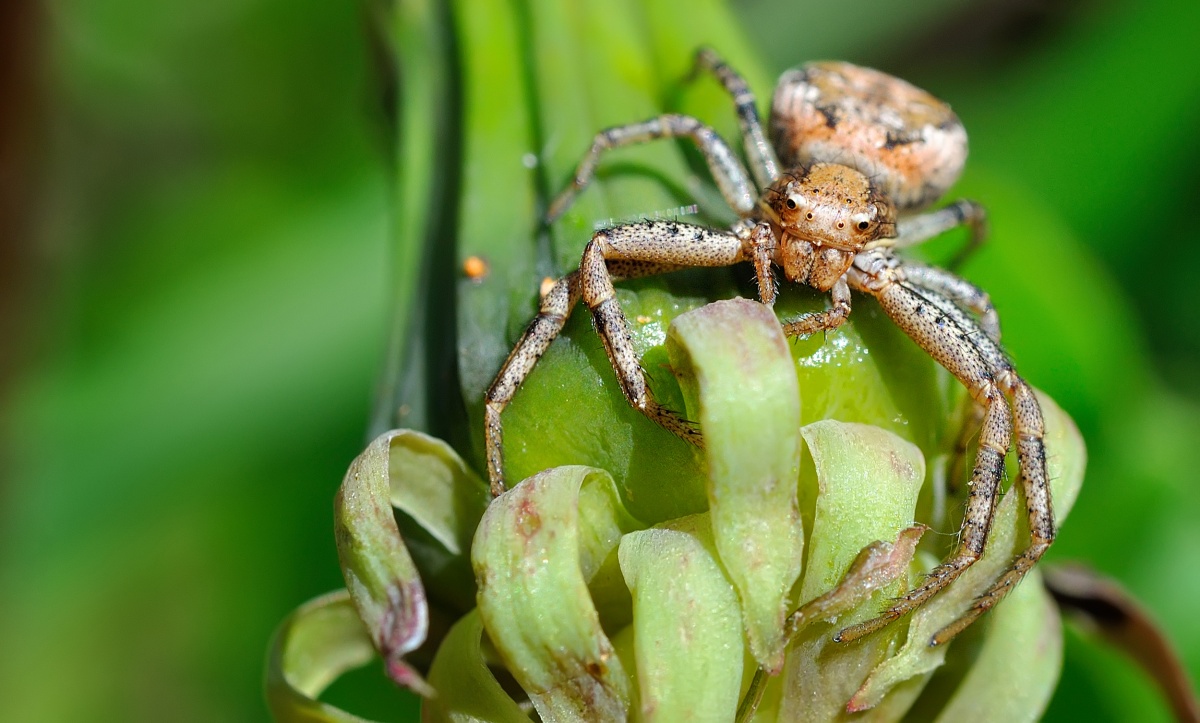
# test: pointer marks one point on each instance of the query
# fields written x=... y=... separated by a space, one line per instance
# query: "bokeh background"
x=196 y=277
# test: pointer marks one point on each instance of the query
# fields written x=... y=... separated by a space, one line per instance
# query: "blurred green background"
x=197 y=281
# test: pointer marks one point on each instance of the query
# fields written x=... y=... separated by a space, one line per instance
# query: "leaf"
x=536 y=548
x=417 y=40
x=736 y=372
x=312 y=647
x=495 y=201
x=1106 y=609
x=687 y=625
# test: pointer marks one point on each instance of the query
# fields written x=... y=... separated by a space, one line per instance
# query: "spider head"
x=826 y=214
x=832 y=205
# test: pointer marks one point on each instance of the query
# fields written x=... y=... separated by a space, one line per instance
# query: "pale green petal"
x=687 y=624
x=430 y=483
x=315 y=644
x=536 y=548
x=467 y=690
x=735 y=369
x=1017 y=668
x=379 y=572
x=868 y=482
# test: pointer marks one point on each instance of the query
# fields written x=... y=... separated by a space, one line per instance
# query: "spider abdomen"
x=910 y=143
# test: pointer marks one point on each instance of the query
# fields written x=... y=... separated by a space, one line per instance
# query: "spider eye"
x=791 y=203
x=862 y=225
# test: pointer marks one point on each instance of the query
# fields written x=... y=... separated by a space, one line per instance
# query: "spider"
x=863 y=154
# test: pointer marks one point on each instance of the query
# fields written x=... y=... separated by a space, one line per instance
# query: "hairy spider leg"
x=935 y=331
x=763 y=163
x=919 y=229
x=958 y=290
x=726 y=169
x=914 y=230
x=957 y=342
x=964 y=295
x=552 y=315
x=657 y=242
x=760 y=246
x=1031 y=458
x=826 y=320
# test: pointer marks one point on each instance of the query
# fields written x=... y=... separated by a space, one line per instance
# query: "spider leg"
x=761 y=155
x=827 y=320
x=1031 y=457
x=552 y=315
x=759 y=244
x=659 y=242
x=963 y=295
x=919 y=229
x=958 y=290
x=938 y=333
x=726 y=169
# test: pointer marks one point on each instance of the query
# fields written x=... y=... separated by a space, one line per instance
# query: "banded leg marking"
x=725 y=167
x=763 y=163
x=934 y=331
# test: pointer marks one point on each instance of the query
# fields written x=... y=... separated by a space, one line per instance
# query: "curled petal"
x=736 y=372
x=537 y=547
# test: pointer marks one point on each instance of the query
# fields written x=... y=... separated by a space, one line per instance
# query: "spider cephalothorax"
x=825 y=214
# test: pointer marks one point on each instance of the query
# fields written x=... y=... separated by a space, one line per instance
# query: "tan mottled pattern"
x=909 y=142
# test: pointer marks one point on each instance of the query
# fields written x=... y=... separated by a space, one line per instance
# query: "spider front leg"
x=959 y=291
x=1031 y=457
x=552 y=315
x=935 y=283
x=827 y=320
x=548 y=324
x=934 y=330
x=660 y=242
x=726 y=169
x=759 y=244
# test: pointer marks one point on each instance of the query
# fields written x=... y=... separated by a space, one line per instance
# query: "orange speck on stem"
x=475 y=268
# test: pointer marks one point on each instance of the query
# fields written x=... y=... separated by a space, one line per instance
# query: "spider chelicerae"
x=855 y=157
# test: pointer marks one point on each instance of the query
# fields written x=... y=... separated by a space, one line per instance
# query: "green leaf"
x=687 y=624
x=736 y=372
x=496 y=199
x=418 y=43
x=315 y=644
x=536 y=548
